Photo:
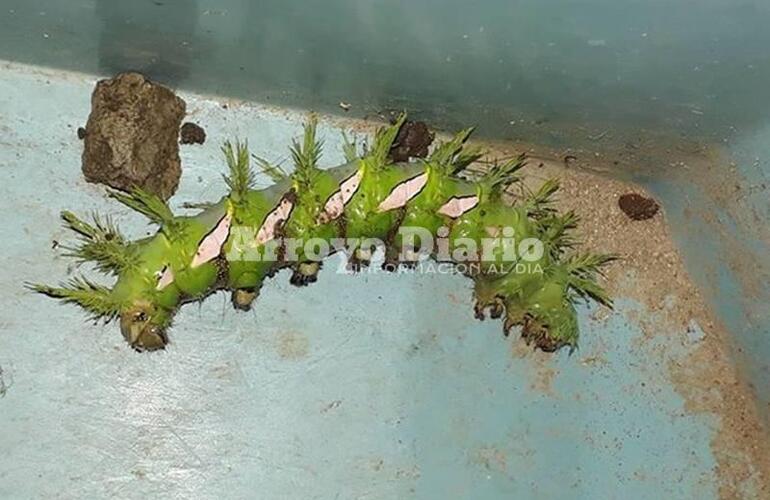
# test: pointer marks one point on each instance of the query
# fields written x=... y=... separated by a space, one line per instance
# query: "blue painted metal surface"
x=547 y=71
x=729 y=261
x=371 y=386
x=674 y=64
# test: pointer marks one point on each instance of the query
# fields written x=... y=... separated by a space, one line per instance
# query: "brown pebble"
x=192 y=133
x=638 y=207
x=412 y=141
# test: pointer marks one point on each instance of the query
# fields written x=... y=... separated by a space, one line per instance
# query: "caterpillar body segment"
x=516 y=254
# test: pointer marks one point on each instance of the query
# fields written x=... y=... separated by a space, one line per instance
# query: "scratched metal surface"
x=371 y=386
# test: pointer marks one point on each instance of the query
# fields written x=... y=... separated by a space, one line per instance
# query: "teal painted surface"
x=551 y=72
x=713 y=242
x=678 y=65
x=371 y=386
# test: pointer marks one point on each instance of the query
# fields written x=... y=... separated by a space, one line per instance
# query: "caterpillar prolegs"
x=520 y=255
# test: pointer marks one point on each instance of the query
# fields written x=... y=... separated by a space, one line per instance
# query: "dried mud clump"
x=638 y=207
x=192 y=133
x=412 y=141
x=131 y=135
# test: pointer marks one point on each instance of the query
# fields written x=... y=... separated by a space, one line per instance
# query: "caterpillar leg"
x=144 y=327
x=242 y=298
x=356 y=262
x=305 y=273
x=487 y=298
x=496 y=309
x=393 y=261
x=513 y=317
x=535 y=331
x=548 y=329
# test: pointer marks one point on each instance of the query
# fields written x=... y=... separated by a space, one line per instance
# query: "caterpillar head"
x=143 y=325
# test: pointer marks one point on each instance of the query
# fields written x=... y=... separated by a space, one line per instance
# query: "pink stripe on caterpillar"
x=211 y=246
x=455 y=207
x=401 y=194
x=165 y=279
x=274 y=220
x=335 y=205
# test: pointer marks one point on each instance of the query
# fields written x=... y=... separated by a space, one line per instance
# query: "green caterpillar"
x=518 y=255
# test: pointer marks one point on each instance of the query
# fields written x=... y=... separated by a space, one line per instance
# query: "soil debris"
x=638 y=207
x=81 y=133
x=192 y=133
x=412 y=141
x=331 y=406
x=132 y=132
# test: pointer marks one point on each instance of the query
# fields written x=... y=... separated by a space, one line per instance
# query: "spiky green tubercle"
x=369 y=197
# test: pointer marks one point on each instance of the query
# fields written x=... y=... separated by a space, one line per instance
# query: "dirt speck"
x=492 y=459
x=413 y=140
x=4 y=386
x=82 y=133
x=292 y=345
x=192 y=133
x=638 y=207
x=139 y=473
x=132 y=133
x=331 y=406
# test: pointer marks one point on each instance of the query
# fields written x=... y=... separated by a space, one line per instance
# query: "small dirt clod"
x=638 y=207
x=412 y=141
x=192 y=133
x=132 y=135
